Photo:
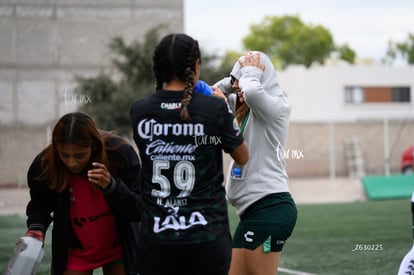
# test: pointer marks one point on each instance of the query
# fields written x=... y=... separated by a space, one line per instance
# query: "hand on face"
x=99 y=175
x=251 y=59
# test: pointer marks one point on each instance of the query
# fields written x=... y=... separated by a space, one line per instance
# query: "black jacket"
x=47 y=206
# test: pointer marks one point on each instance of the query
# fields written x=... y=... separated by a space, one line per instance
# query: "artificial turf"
x=350 y=238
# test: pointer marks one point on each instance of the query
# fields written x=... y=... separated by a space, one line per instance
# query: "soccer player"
x=86 y=183
x=181 y=136
x=407 y=263
x=259 y=190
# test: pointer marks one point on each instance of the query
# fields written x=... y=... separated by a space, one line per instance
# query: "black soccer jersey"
x=182 y=166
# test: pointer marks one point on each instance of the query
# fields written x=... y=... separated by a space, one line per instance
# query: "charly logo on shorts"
x=248 y=236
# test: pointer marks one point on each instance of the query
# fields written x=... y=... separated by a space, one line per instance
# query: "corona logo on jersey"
x=167 y=155
x=148 y=128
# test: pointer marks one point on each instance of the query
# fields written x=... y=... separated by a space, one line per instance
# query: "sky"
x=365 y=25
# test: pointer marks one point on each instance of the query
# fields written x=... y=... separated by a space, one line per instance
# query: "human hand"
x=99 y=175
x=219 y=93
x=251 y=59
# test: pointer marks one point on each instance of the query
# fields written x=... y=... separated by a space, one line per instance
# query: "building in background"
x=348 y=119
x=44 y=44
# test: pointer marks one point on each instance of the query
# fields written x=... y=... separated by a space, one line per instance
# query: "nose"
x=72 y=163
x=235 y=84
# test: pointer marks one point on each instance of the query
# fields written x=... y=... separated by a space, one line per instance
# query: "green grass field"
x=322 y=243
x=326 y=235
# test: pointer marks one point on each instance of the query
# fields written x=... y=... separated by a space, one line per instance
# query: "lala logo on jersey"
x=176 y=222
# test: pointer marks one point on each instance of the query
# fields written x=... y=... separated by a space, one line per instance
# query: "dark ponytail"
x=176 y=56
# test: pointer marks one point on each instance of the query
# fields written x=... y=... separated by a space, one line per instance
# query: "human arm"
x=241 y=154
x=41 y=204
x=261 y=90
x=224 y=85
x=219 y=93
x=203 y=88
x=122 y=193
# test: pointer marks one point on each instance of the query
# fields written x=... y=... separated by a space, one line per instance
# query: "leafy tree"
x=346 y=53
x=215 y=67
x=287 y=40
x=129 y=79
x=403 y=49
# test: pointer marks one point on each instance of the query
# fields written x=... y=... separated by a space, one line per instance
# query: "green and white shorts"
x=269 y=221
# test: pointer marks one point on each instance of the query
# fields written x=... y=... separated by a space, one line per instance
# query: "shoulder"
x=112 y=140
x=136 y=105
x=36 y=165
x=206 y=102
x=117 y=146
x=138 y=102
x=143 y=102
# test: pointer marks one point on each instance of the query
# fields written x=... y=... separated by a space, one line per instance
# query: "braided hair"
x=175 y=57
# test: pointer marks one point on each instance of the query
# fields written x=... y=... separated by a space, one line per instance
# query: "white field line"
x=295 y=272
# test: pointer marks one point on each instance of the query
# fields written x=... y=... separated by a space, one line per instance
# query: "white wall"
x=317 y=94
x=45 y=43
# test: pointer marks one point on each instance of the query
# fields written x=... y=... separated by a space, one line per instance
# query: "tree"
x=113 y=92
x=287 y=40
x=403 y=49
x=346 y=53
x=215 y=67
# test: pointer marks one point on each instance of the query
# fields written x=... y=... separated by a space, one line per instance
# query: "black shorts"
x=194 y=259
x=269 y=221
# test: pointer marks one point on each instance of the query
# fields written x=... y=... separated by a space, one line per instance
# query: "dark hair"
x=73 y=128
x=242 y=109
x=175 y=57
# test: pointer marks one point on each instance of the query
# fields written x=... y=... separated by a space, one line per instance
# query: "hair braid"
x=175 y=57
x=189 y=81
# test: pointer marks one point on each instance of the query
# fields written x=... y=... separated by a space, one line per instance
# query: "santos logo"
x=147 y=129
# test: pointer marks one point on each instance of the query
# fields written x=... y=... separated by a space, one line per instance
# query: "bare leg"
x=237 y=265
x=254 y=262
